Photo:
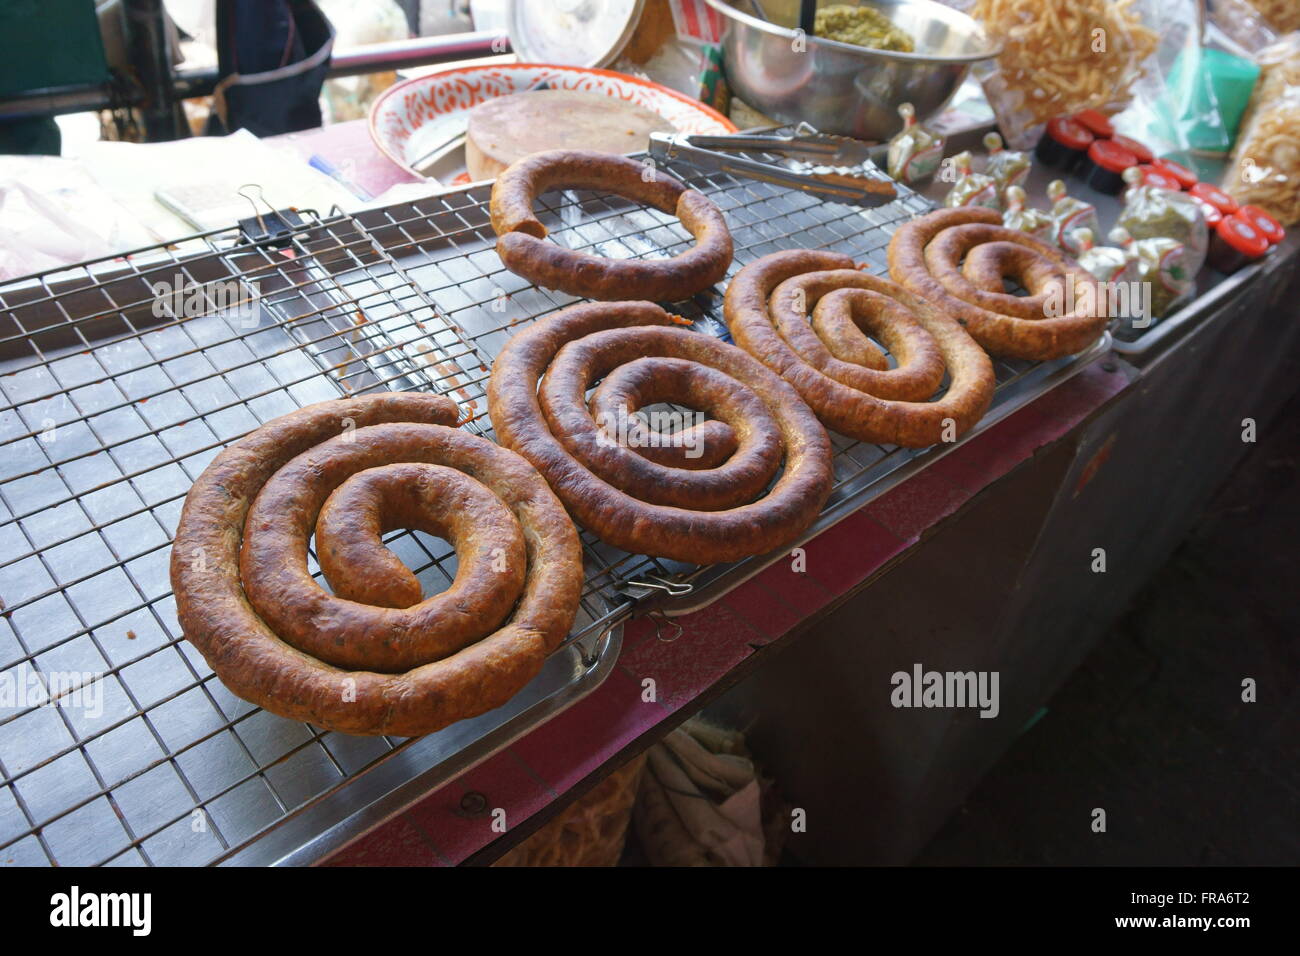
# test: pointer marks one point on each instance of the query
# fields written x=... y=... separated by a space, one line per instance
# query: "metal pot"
x=839 y=87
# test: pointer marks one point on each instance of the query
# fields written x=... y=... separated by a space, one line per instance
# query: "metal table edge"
x=1195 y=311
x=284 y=845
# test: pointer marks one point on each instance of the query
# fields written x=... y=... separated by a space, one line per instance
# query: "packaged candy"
x=1069 y=214
x=1008 y=167
x=1160 y=264
x=915 y=151
x=1150 y=211
x=1019 y=215
x=1103 y=263
x=971 y=188
x=1147 y=175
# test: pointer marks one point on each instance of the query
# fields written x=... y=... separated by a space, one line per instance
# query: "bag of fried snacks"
x=1265 y=167
x=1059 y=57
x=1242 y=23
x=1282 y=15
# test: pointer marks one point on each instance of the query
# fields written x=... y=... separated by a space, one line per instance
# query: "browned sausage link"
x=920 y=366
x=925 y=257
x=523 y=248
x=626 y=390
x=336 y=628
x=430 y=498
x=329 y=444
x=776 y=293
x=518 y=187
x=583 y=362
x=584 y=342
x=972 y=261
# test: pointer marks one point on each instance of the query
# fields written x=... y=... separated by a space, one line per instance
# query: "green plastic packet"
x=1205 y=96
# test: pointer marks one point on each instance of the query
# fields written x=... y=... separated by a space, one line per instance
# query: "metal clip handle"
x=653 y=582
x=843 y=183
x=661 y=621
x=597 y=649
x=804 y=143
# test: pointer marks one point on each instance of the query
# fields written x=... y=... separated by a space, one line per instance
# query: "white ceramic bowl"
x=412 y=117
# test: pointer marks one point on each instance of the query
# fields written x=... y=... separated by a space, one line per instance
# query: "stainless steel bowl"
x=839 y=87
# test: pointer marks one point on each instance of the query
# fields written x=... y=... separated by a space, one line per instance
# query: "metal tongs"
x=836 y=167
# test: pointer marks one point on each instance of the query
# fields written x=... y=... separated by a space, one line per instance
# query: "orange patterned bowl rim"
x=418 y=96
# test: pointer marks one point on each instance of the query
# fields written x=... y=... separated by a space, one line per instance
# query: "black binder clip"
x=267 y=225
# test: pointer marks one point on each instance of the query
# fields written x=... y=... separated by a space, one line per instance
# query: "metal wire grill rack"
x=116 y=397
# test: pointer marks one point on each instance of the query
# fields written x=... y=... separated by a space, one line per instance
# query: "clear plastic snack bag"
x=915 y=151
x=1265 y=167
x=1152 y=211
x=1062 y=56
x=1282 y=15
x=1242 y=23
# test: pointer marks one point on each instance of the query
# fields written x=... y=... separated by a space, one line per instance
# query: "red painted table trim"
x=541 y=767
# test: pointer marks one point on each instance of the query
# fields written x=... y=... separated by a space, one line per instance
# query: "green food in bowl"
x=861 y=26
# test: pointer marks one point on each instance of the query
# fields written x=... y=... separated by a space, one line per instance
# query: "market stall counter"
x=1004 y=528
x=413 y=298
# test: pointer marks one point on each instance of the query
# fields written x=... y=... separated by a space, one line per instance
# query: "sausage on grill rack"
x=842 y=373
x=957 y=259
x=522 y=241
x=373 y=657
x=658 y=504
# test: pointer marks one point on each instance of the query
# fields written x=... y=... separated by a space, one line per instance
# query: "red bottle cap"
x=1270 y=227
x=1108 y=156
x=1095 y=122
x=1186 y=178
x=1154 y=177
x=1242 y=236
x=1069 y=133
x=1212 y=214
x=1143 y=154
x=1215 y=197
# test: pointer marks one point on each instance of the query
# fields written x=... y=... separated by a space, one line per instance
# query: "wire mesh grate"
x=116 y=398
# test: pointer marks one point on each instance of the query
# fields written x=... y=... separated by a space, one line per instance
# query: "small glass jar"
x=1147 y=175
x=1270 y=227
x=1212 y=214
x=1144 y=155
x=1064 y=143
x=1103 y=169
x=1095 y=122
x=1235 y=243
x=1216 y=197
x=1186 y=178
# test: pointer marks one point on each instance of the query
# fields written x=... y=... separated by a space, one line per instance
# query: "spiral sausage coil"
x=958 y=259
x=807 y=316
x=373 y=657
x=658 y=501
x=524 y=250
